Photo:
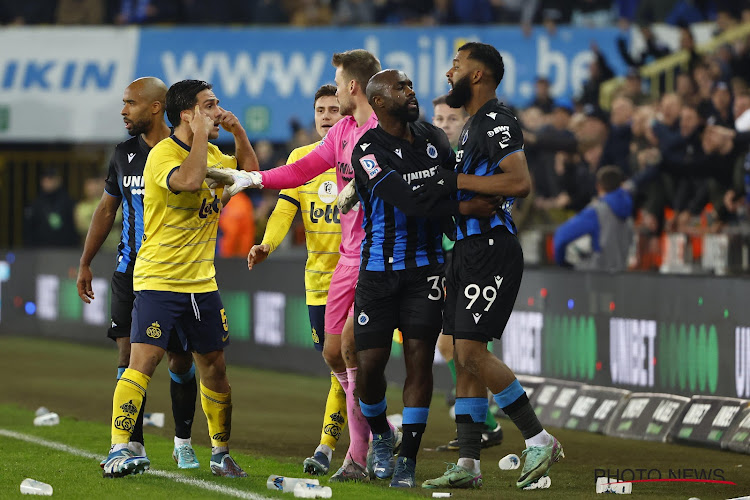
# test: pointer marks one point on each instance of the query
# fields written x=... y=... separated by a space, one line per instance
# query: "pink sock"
x=359 y=429
x=343 y=379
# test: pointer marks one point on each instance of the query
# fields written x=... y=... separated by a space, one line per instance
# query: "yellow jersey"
x=320 y=215
x=179 y=229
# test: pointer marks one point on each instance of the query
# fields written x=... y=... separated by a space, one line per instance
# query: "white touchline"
x=199 y=483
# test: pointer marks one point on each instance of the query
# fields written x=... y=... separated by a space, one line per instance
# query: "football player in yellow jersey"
x=317 y=201
x=174 y=276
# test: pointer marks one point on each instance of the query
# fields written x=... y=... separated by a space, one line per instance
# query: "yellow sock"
x=334 y=419
x=126 y=404
x=218 y=409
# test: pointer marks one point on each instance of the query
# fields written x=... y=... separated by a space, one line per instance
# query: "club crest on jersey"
x=363 y=319
x=370 y=164
x=464 y=137
x=328 y=191
x=431 y=151
x=130 y=157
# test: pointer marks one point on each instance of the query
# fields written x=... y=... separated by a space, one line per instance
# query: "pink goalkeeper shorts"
x=340 y=303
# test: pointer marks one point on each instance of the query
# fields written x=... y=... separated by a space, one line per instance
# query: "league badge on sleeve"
x=370 y=164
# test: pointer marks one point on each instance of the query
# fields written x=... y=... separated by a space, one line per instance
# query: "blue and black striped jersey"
x=490 y=135
x=400 y=232
x=125 y=181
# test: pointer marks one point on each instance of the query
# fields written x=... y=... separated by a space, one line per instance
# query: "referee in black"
x=484 y=277
x=401 y=270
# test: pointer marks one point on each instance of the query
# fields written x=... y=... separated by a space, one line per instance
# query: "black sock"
x=378 y=423
x=137 y=434
x=524 y=416
x=469 y=436
x=183 y=406
x=412 y=440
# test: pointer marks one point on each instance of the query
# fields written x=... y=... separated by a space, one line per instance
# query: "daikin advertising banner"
x=65 y=84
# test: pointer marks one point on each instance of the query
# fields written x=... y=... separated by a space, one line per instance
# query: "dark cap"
x=721 y=85
x=633 y=73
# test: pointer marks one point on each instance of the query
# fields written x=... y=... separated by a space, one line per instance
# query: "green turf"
x=276 y=423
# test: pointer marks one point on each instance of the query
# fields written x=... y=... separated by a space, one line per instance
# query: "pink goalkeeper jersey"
x=335 y=150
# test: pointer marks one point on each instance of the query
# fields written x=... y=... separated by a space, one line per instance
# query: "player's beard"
x=460 y=94
x=405 y=113
x=139 y=127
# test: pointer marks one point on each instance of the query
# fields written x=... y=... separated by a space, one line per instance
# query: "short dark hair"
x=487 y=55
x=609 y=178
x=326 y=90
x=183 y=95
x=358 y=64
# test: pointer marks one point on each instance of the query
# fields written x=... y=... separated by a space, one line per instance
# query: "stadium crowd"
x=596 y=13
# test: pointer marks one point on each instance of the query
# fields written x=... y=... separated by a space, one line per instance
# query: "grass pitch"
x=276 y=424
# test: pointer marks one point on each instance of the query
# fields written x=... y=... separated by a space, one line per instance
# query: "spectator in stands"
x=686 y=88
x=351 y=12
x=516 y=12
x=80 y=12
x=84 y=210
x=721 y=100
x=741 y=110
x=146 y=11
x=599 y=71
x=653 y=50
x=269 y=12
x=49 y=220
x=237 y=227
x=592 y=13
x=607 y=222
x=617 y=146
x=473 y=11
x=404 y=11
x=542 y=97
x=632 y=88
x=310 y=13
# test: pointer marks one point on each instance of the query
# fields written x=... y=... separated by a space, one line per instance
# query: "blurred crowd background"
x=676 y=123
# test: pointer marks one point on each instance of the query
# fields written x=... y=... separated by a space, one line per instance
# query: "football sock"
x=375 y=415
x=218 y=409
x=137 y=434
x=326 y=450
x=183 y=389
x=126 y=403
x=334 y=419
x=541 y=439
x=414 y=424
x=470 y=416
x=515 y=404
x=343 y=379
x=182 y=442
x=359 y=429
x=469 y=464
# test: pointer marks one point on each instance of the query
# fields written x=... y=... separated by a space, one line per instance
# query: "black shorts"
x=121 y=305
x=482 y=283
x=409 y=299
x=197 y=320
x=317 y=323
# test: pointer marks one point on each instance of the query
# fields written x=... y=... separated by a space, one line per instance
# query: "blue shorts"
x=317 y=322
x=198 y=319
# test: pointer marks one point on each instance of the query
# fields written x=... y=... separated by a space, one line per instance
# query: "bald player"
x=143 y=114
